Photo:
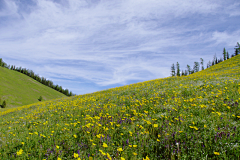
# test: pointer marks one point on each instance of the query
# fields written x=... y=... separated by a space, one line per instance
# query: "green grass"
x=190 y=117
x=18 y=89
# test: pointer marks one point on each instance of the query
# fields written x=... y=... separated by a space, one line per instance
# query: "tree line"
x=175 y=69
x=36 y=77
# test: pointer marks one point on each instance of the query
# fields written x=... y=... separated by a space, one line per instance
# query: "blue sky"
x=91 y=45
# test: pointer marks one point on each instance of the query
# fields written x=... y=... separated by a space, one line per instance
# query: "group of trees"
x=175 y=70
x=42 y=80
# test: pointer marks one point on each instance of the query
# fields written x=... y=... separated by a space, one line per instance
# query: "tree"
x=237 y=49
x=224 y=54
x=236 y=52
x=209 y=64
x=189 y=69
x=227 y=55
x=173 y=70
x=220 y=60
x=178 y=69
x=182 y=74
x=196 y=67
x=202 y=63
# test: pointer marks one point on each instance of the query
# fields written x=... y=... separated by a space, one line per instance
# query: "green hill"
x=18 y=89
x=188 y=117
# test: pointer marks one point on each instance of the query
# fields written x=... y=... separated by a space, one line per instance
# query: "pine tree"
x=236 y=52
x=209 y=64
x=224 y=54
x=227 y=55
x=202 y=63
x=237 y=49
x=182 y=74
x=189 y=69
x=178 y=69
x=173 y=70
x=196 y=67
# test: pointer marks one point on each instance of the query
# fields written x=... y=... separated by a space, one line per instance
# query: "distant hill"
x=19 y=89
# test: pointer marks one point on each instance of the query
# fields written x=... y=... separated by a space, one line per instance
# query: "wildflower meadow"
x=188 y=117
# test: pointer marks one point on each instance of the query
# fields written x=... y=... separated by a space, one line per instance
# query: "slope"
x=189 y=117
x=18 y=89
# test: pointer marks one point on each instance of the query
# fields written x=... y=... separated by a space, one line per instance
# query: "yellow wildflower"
x=108 y=155
x=19 y=152
x=105 y=145
x=217 y=153
x=146 y=158
x=75 y=155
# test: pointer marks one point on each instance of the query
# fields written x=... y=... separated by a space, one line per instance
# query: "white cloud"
x=233 y=10
x=229 y=38
x=10 y=8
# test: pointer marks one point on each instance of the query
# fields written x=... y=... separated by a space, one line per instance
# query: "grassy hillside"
x=18 y=89
x=191 y=117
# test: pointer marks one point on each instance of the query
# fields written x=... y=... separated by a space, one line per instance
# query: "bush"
x=40 y=98
x=4 y=104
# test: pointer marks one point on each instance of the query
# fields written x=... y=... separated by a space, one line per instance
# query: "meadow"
x=19 y=90
x=189 y=117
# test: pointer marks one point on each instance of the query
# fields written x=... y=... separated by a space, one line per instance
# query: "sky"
x=92 y=45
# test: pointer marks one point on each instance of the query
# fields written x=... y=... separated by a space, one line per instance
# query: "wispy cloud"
x=106 y=43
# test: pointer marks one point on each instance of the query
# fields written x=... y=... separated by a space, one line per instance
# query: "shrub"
x=40 y=98
x=4 y=104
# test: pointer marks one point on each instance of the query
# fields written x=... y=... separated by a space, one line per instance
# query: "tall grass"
x=189 y=117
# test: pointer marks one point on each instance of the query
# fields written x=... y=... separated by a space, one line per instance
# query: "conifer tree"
x=227 y=55
x=173 y=70
x=209 y=64
x=202 y=63
x=178 y=69
x=182 y=74
x=237 y=49
x=189 y=69
x=224 y=54
x=196 y=67
x=236 y=52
